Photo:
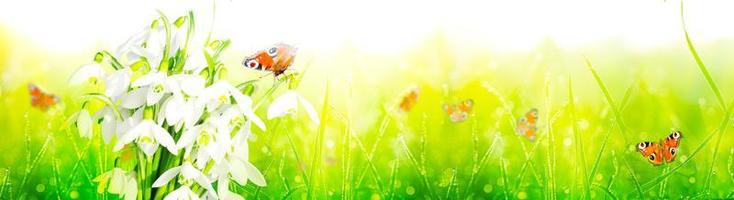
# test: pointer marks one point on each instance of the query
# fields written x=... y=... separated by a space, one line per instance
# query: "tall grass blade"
x=618 y=120
x=318 y=144
x=420 y=168
x=579 y=143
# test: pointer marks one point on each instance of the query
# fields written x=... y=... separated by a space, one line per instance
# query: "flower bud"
x=154 y=24
x=98 y=57
x=180 y=21
x=249 y=89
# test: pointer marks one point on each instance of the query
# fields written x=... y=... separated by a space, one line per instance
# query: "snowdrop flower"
x=195 y=62
x=117 y=83
x=109 y=123
x=288 y=103
x=129 y=122
x=84 y=123
x=223 y=191
x=182 y=193
x=189 y=173
x=212 y=141
x=117 y=181
x=89 y=72
x=181 y=108
x=148 y=135
x=219 y=93
x=155 y=86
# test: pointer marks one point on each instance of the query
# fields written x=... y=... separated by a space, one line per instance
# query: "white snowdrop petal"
x=117 y=83
x=166 y=176
x=154 y=95
x=86 y=72
x=84 y=123
x=164 y=139
x=135 y=99
x=174 y=109
x=148 y=79
x=282 y=105
x=254 y=175
x=309 y=110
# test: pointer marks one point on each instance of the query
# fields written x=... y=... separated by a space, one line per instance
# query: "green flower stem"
x=104 y=99
x=113 y=61
x=167 y=26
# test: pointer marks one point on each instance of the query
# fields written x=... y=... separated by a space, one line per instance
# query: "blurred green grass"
x=663 y=88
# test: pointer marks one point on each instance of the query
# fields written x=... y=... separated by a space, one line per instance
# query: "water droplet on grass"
x=567 y=142
x=522 y=195
x=410 y=190
x=488 y=188
x=692 y=180
x=40 y=188
x=74 y=194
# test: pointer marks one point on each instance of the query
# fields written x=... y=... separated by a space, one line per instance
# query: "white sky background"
x=376 y=25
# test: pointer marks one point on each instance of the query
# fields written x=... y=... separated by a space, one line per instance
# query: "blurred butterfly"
x=665 y=151
x=41 y=99
x=410 y=99
x=459 y=112
x=527 y=125
x=275 y=59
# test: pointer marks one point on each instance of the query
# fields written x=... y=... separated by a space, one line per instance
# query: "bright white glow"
x=377 y=25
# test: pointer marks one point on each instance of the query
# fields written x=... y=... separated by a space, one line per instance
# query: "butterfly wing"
x=526 y=126
x=670 y=146
x=651 y=151
x=40 y=99
x=35 y=93
x=409 y=100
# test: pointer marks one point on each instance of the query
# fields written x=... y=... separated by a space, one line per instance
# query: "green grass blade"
x=478 y=168
x=451 y=183
x=393 y=178
x=699 y=62
x=420 y=168
x=618 y=120
x=578 y=143
x=318 y=144
x=714 y=88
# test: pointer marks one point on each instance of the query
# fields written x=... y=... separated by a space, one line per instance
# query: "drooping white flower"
x=212 y=141
x=219 y=93
x=117 y=83
x=154 y=85
x=84 y=123
x=181 y=108
x=148 y=135
x=195 y=62
x=117 y=181
x=287 y=103
x=189 y=173
x=108 y=121
x=182 y=193
x=87 y=73
x=134 y=99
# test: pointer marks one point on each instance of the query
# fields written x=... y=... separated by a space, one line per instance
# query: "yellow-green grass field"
x=594 y=104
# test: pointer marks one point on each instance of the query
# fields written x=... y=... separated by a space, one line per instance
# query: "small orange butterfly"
x=40 y=99
x=410 y=99
x=275 y=59
x=459 y=112
x=665 y=151
x=527 y=125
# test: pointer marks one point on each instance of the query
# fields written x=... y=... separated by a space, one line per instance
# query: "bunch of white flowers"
x=164 y=90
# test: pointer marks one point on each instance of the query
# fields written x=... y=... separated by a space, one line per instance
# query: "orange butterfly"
x=410 y=99
x=458 y=113
x=40 y=99
x=666 y=150
x=275 y=59
x=527 y=125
